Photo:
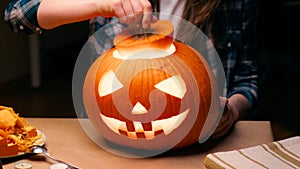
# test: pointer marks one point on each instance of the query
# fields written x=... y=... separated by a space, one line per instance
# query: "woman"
x=229 y=24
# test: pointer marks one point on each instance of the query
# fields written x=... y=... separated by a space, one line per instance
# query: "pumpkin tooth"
x=132 y=135
x=138 y=126
x=114 y=124
x=149 y=135
x=168 y=125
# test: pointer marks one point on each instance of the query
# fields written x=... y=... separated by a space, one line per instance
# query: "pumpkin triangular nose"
x=138 y=108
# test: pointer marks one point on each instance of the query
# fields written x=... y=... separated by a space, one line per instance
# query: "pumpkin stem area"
x=142 y=35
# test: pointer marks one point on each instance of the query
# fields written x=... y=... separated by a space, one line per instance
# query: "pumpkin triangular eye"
x=108 y=84
x=174 y=86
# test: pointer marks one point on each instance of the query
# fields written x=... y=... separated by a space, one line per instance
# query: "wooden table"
x=66 y=140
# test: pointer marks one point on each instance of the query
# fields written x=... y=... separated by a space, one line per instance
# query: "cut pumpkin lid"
x=158 y=30
x=129 y=40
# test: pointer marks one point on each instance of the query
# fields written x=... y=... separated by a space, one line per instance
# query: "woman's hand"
x=227 y=120
x=131 y=11
x=236 y=107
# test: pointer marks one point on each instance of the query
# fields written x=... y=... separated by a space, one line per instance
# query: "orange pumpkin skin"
x=138 y=79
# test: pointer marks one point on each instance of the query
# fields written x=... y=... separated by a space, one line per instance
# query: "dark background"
x=279 y=58
x=278 y=39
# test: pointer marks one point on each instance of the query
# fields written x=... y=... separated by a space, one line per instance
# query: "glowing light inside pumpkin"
x=166 y=125
x=108 y=84
x=149 y=53
x=174 y=86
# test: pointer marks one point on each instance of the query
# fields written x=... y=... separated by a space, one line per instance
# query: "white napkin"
x=283 y=154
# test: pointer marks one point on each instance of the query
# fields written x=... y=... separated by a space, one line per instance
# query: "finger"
x=222 y=129
x=137 y=10
x=128 y=10
x=119 y=12
x=147 y=19
x=154 y=19
x=225 y=117
x=225 y=121
x=147 y=11
x=221 y=125
x=223 y=101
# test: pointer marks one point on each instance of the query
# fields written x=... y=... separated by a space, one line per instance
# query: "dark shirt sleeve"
x=244 y=74
x=21 y=16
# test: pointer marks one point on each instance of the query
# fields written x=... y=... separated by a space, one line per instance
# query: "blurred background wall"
x=14 y=51
x=57 y=53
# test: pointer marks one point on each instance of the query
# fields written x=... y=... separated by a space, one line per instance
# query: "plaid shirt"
x=21 y=16
x=238 y=50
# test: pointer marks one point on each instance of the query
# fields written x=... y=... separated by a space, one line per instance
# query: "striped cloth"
x=283 y=154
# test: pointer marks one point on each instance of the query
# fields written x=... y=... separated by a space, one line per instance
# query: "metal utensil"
x=142 y=32
x=43 y=150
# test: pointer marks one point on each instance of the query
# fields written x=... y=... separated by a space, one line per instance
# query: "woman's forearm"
x=53 y=13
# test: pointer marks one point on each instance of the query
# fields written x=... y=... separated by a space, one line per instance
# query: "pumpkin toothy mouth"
x=165 y=126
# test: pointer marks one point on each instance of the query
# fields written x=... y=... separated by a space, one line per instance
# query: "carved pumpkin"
x=151 y=92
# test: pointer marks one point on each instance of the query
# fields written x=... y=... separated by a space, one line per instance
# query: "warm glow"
x=148 y=53
x=174 y=86
x=167 y=125
x=139 y=109
x=108 y=84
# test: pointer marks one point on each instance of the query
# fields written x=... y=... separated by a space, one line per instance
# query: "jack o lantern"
x=150 y=92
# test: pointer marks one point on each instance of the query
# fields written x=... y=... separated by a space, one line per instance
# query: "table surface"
x=66 y=140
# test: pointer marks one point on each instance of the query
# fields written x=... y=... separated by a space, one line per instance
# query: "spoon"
x=42 y=150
